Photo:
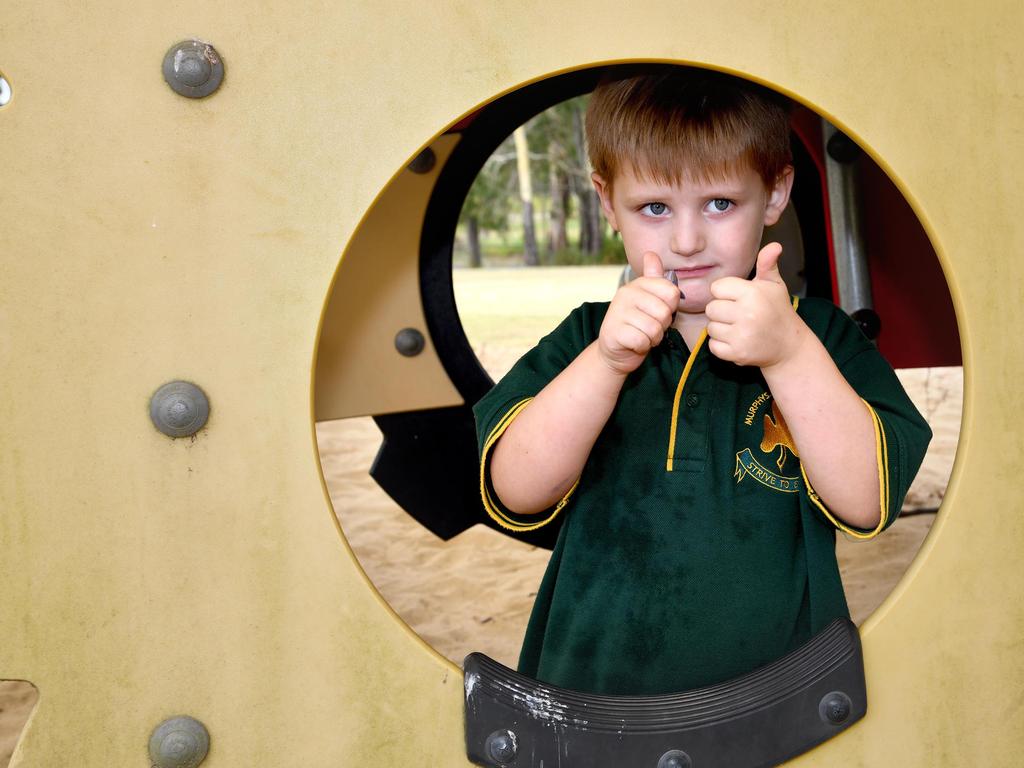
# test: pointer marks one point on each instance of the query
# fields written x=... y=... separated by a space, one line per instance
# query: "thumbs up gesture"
x=752 y=322
x=768 y=264
x=638 y=317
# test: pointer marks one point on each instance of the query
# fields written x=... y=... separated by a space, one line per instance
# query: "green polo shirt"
x=692 y=549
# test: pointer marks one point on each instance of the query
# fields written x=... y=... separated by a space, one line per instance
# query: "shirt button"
x=692 y=400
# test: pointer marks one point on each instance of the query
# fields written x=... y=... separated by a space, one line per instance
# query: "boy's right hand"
x=640 y=313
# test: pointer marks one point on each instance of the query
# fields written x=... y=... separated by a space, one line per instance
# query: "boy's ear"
x=605 y=194
x=778 y=196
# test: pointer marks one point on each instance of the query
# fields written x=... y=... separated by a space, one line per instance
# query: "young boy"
x=698 y=444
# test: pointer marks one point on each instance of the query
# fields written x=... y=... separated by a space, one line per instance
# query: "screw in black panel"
x=501 y=747
x=675 y=758
x=835 y=708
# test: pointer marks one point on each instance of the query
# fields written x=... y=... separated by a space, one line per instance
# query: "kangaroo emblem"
x=776 y=435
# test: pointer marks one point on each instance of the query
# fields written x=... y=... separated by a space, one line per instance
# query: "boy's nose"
x=687 y=237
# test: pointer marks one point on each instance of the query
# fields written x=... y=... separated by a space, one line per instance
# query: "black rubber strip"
x=760 y=719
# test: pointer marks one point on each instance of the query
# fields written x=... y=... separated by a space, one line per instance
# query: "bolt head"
x=409 y=342
x=179 y=409
x=842 y=148
x=179 y=742
x=191 y=68
x=501 y=747
x=675 y=758
x=835 y=708
x=424 y=162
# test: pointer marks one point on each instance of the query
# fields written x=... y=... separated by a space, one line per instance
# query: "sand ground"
x=474 y=593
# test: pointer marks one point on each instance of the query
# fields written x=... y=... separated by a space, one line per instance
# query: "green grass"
x=516 y=306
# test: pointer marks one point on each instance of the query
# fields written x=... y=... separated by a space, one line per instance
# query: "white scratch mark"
x=471 y=680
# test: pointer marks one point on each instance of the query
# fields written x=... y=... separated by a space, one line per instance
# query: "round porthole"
x=400 y=456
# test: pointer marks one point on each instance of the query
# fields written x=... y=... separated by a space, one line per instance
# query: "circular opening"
x=472 y=587
x=5 y=90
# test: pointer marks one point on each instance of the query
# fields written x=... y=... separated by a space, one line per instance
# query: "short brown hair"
x=671 y=121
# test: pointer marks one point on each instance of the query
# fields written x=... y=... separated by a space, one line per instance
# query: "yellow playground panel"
x=148 y=237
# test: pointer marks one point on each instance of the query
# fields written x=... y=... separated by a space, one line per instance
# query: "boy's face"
x=702 y=230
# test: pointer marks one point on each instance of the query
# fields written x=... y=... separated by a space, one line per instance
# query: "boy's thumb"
x=768 y=263
x=652 y=265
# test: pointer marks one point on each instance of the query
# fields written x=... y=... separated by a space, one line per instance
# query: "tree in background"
x=488 y=204
x=552 y=174
x=530 y=256
x=591 y=223
x=553 y=152
x=558 y=147
x=558 y=189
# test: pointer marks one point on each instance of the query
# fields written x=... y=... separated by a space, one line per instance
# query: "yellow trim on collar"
x=673 y=427
x=882 y=458
x=491 y=504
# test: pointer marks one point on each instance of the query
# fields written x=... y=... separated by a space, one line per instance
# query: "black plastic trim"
x=480 y=138
x=428 y=461
x=760 y=719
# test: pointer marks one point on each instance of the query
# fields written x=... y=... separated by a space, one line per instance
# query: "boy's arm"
x=542 y=452
x=832 y=428
x=753 y=323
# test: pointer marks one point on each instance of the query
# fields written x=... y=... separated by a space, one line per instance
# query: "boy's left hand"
x=752 y=322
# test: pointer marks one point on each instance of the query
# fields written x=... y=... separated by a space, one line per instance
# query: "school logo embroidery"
x=776 y=437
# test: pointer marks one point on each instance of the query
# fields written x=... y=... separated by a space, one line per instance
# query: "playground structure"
x=149 y=237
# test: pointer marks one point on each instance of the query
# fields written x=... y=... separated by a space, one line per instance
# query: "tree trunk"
x=591 y=231
x=559 y=184
x=473 y=235
x=530 y=256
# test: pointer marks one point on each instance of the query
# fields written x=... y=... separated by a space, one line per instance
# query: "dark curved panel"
x=428 y=465
x=761 y=719
x=428 y=460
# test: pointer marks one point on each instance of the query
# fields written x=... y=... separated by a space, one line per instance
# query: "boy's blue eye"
x=720 y=204
x=656 y=209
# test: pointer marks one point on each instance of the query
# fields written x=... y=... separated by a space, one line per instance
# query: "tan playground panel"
x=147 y=237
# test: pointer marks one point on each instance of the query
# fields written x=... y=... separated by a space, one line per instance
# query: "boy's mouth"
x=693 y=272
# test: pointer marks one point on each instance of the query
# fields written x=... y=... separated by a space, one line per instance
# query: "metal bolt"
x=409 y=342
x=675 y=758
x=179 y=409
x=193 y=68
x=424 y=162
x=5 y=91
x=835 y=708
x=501 y=747
x=842 y=148
x=179 y=742
x=868 y=321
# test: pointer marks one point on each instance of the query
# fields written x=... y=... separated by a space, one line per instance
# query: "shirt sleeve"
x=498 y=408
x=901 y=433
